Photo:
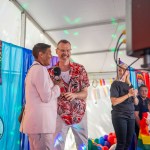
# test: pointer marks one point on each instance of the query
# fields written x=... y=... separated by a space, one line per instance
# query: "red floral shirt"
x=72 y=111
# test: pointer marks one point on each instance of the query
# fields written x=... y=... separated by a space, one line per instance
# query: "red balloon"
x=115 y=140
x=105 y=148
x=114 y=134
x=111 y=139
x=110 y=133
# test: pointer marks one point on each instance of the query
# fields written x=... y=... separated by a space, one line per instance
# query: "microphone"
x=131 y=86
x=57 y=72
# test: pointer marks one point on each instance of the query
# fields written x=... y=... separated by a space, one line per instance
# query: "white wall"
x=99 y=111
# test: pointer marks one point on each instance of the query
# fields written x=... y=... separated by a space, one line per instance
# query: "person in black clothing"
x=141 y=107
x=123 y=98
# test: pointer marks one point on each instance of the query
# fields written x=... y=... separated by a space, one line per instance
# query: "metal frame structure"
x=98 y=23
x=33 y=21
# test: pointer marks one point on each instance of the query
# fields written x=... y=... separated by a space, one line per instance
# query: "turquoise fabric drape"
x=133 y=77
x=14 y=68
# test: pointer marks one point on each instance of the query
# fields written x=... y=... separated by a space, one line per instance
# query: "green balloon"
x=96 y=141
x=89 y=144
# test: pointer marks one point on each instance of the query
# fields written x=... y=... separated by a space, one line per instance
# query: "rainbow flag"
x=143 y=142
x=144 y=134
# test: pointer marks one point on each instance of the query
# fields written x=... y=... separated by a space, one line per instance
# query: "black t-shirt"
x=126 y=108
x=142 y=106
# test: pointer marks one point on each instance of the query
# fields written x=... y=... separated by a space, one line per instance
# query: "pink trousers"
x=42 y=141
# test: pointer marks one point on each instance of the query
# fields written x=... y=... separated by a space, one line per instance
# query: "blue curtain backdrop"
x=15 y=63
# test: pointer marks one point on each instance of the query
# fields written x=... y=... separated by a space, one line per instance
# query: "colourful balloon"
x=101 y=141
x=94 y=147
x=115 y=140
x=111 y=139
x=105 y=148
x=99 y=148
x=97 y=141
x=105 y=137
x=107 y=144
x=89 y=144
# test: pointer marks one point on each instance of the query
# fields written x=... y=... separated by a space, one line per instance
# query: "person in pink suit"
x=39 y=118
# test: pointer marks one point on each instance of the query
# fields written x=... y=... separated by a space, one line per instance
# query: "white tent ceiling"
x=92 y=27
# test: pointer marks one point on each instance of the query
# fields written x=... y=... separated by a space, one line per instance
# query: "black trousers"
x=124 y=129
x=136 y=130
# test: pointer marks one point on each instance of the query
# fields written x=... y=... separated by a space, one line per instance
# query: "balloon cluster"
x=103 y=143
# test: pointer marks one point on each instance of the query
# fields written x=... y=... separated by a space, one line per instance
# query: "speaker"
x=138 y=27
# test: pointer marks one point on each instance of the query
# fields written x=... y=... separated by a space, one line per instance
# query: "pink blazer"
x=41 y=102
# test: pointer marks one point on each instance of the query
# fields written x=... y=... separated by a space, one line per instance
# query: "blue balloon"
x=99 y=148
x=101 y=141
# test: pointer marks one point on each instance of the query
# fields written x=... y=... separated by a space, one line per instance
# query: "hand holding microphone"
x=57 y=72
x=132 y=92
x=57 y=78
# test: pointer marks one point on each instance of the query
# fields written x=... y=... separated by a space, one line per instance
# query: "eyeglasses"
x=63 y=51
